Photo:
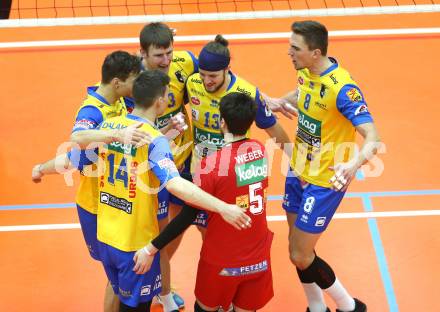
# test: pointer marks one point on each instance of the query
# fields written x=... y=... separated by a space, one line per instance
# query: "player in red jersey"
x=234 y=265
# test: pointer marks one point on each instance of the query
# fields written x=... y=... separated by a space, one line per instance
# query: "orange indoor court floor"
x=390 y=261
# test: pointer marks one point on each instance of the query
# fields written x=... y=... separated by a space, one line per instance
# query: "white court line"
x=196 y=38
x=192 y=17
x=345 y=215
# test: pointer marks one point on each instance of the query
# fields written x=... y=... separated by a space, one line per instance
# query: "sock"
x=168 y=303
x=341 y=297
x=315 y=299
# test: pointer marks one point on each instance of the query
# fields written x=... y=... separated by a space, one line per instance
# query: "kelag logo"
x=309 y=124
x=251 y=172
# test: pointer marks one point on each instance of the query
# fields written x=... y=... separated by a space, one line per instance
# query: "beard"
x=218 y=87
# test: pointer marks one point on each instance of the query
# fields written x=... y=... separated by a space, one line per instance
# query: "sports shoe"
x=328 y=310
x=178 y=300
x=359 y=306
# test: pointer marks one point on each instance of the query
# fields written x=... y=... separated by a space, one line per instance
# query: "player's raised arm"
x=164 y=168
x=130 y=135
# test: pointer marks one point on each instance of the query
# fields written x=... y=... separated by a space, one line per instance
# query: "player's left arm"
x=351 y=104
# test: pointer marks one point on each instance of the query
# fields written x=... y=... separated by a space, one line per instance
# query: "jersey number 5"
x=256 y=198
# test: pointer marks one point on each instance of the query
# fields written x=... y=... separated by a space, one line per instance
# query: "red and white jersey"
x=237 y=174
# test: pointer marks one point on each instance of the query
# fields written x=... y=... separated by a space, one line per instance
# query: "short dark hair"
x=239 y=111
x=157 y=34
x=119 y=64
x=315 y=34
x=218 y=46
x=148 y=86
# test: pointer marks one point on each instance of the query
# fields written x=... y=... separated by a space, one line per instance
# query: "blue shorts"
x=163 y=198
x=130 y=287
x=314 y=205
x=88 y=227
x=201 y=219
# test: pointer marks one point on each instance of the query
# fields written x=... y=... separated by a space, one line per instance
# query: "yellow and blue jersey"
x=94 y=110
x=330 y=106
x=206 y=113
x=128 y=186
x=183 y=64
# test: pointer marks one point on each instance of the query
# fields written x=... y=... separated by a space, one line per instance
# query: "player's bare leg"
x=166 y=296
x=315 y=273
x=202 y=231
x=111 y=301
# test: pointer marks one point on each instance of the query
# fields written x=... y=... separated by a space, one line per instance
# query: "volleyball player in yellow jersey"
x=157 y=51
x=106 y=100
x=206 y=88
x=127 y=211
x=331 y=109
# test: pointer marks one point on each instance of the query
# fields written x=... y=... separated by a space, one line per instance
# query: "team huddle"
x=149 y=170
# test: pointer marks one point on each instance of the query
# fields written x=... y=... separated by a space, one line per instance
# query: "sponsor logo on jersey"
x=116 y=202
x=163 y=120
x=119 y=147
x=309 y=124
x=242 y=158
x=242 y=201
x=195 y=80
x=333 y=78
x=132 y=187
x=361 y=109
x=322 y=91
x=243 y=90
x=321 y=105
x=195 y=114
x=267 y=111
x=178 y=59
x=167 y=164
x=354 y=95
x=300 y=80
x=245 y=270
x=209 y=139
x=180 y=77
x=84 y=124
x=251 y=172
x=112 y=125
x=195 y=91
x=195 y=100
